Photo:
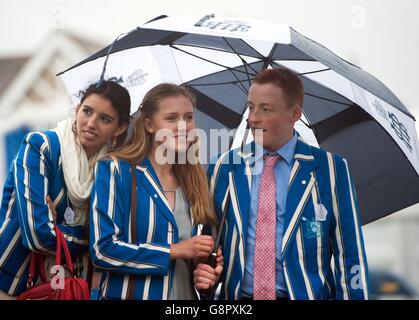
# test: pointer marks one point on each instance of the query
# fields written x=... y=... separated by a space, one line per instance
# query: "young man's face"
x=269 y=111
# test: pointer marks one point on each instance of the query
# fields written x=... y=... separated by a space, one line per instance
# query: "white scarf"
x=77 y=169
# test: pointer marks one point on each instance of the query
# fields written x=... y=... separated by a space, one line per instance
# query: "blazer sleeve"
x=32 y=170
x=109 y=245
x=351 y=270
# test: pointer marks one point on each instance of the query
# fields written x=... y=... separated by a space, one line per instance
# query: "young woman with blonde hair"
x=148 y=253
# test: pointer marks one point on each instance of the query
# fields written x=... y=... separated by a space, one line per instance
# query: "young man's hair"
x=285 y=79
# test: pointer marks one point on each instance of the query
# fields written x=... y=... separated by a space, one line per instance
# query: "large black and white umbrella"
x=347 y=111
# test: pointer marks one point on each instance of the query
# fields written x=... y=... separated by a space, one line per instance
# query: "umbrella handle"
x=207 y=294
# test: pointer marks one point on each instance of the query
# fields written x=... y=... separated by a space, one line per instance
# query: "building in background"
x=31 y=96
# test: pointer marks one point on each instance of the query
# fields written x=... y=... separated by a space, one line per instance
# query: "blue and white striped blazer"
x=26 y=223
x=111 y=247
x=317 y=177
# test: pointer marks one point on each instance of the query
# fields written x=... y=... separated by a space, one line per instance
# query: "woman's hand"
x=52 y=208
x=197 y=247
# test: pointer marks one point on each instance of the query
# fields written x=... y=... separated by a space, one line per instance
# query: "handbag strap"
x=62 y=243
x=37 y=263
x=131 y=283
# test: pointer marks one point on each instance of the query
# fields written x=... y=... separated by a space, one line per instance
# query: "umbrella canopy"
x=347 y=110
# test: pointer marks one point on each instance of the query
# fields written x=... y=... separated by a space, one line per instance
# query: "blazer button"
x=155 y=195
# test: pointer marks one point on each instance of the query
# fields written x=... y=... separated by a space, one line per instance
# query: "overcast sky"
x=381 y=36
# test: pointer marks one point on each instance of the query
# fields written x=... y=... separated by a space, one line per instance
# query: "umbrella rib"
x=102 y=75
x=312 y=72
x=245 y=64
x=258 y=56
x=306 y=123
x=268 y=60
x=330 y=100
x=216 y=84
x=218 y=64
x=240 y=57
x=219 y=83
x=277 y=63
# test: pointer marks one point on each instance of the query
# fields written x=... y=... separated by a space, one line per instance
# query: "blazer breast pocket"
x=312 y=234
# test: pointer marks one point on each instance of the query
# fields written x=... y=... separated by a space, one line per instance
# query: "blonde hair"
x=191 y=177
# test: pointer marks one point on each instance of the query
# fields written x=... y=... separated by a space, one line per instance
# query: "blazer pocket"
x=311 y=235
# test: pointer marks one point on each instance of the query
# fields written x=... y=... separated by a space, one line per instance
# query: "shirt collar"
x=286 y=151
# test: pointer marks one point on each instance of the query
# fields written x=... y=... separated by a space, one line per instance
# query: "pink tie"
x=264 y=275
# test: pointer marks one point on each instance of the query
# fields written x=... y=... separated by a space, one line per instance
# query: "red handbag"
x=66 y=288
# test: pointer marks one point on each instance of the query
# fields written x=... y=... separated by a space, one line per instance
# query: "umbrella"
x=346 y=110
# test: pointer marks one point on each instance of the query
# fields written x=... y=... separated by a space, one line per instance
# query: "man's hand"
x=205 y=276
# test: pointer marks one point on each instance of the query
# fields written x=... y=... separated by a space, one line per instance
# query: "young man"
x=288 y=219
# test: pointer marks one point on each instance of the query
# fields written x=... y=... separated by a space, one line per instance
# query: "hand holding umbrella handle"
x=207 y=294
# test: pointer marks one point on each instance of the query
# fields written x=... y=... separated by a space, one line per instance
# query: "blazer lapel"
x=151 y=183
x=301 y=182
x=240 y=182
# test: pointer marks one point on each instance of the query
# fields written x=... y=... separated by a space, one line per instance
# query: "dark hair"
x=285 y=79
x=119 y=98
